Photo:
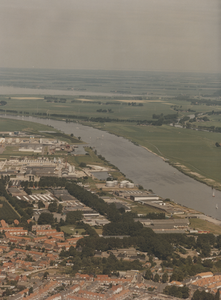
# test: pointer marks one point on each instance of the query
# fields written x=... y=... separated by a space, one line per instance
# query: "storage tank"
x=123 y=183
x=110 y=183
x=130 y=185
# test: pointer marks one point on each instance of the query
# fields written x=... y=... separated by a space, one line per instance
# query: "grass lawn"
x=7 y=212
x=17 y=125
x=144 y=209
x=40 y=191
x=70 y=229
x=98 y=230
x=200 y=224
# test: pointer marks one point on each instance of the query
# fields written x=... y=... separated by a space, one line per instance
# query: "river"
x=143 y=167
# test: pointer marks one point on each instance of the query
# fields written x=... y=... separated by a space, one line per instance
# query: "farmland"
x=134 y=103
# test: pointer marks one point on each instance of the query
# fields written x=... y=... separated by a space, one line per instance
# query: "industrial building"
x=166 y=225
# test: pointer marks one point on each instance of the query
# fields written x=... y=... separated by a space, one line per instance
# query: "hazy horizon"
x=111 y=70
x=124 y=35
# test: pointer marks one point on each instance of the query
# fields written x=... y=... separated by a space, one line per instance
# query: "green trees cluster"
x=179 y=292
x=93 y=265
x=22 y=207
x=52 y=182
x=183 y=267
x=55 y=207
x=154 y=216
x=143 y=239
x=165 y=119
x=45 y=218
x=7 y=213
x=93 y=201
x=73 y=216
x=202 y=295
x=122 y=228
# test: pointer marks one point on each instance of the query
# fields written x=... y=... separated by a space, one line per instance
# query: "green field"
x=144 y=209
x=200 y=224
x=120 y=108
x=70 y=229
x=7 y=213
x=194 y=149
x=17 y=125
x=193 y=152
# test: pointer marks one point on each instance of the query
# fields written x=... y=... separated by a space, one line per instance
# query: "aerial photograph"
x=110 y=149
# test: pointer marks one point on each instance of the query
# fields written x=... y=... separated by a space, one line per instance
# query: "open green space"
x=7 y=212
x=39 y=191
x=70 y=229
x=204 y=225
x=18 y=125
x=144 y=209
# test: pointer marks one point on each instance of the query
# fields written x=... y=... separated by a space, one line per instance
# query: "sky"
x=145 y=35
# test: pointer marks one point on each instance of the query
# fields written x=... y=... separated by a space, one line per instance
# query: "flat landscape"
x=175 y=115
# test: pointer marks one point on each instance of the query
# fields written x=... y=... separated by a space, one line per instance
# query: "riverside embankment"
x=143 y=167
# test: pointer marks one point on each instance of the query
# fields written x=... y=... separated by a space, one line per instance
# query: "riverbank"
x=211 y=183
x=141 y=166
x=155 y=150
x=187 y=155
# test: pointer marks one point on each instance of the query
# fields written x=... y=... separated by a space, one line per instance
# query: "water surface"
x=143 y=167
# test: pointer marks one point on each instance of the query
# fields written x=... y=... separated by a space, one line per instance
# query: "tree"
x=30 y=290
x=29 y=211
x=202 y=296
x=45 y=276
x=73 y=216
x=60 y=208
x=156 y=277
x=165 y=277
x=179 y=292
x=148 y=275
x=62 y=222
x=83 y=165
x=72 y=251
x=51 y=262
x=28 y=247
x=45 y=218
x=217 y=295
x=52 y=207
x=177 y=275
x=40 y=204
x=217 y=144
